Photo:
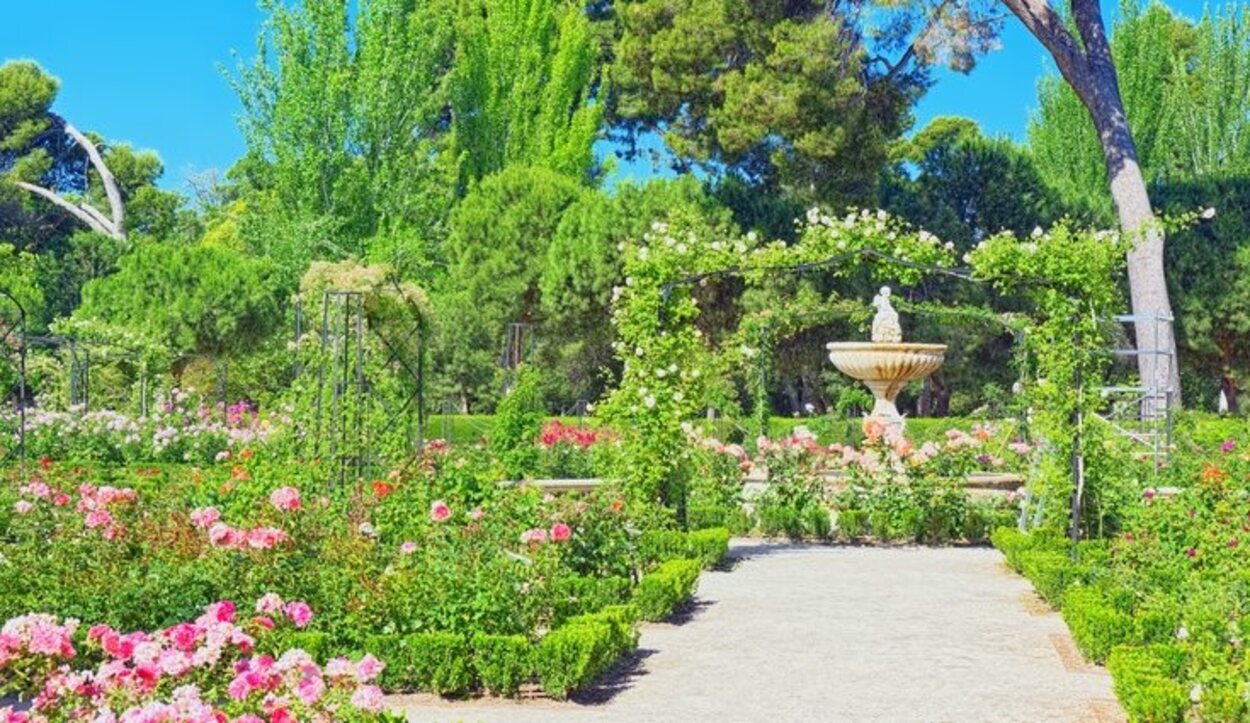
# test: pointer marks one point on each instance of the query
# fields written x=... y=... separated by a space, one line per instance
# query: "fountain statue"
x=886 y=364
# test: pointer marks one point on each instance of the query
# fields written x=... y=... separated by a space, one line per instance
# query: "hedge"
x=434 y=662
x=572 y=656
x=574 y=595
x=1096 y=625
x=502 y=663
x=669 y=585
x=1145 y=682
x=709 y=546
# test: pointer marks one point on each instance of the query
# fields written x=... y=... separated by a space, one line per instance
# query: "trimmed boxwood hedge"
x=663 y=589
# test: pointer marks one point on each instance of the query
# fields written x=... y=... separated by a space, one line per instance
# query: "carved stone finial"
x=885 y=326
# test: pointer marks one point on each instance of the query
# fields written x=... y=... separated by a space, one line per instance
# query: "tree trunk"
x=1228 y=387
x=1087 y=66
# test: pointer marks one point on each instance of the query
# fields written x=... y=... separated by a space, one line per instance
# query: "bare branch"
x=106 y=177
x=96 y=221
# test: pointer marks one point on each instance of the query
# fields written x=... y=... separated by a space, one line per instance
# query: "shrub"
x=578 y=594
x=502 y=662
x=852 y=523
x=434 y=662
x=1011 y=542
x=1157 y=619
x=1050 y=572
x=1145 y=682
x=656 y=546
x=662 y=590
x=315 y=644
x=709 y=546
x=1096 y=625
x=572 y=656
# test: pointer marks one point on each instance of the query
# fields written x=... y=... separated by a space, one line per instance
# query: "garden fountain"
x=886 y=363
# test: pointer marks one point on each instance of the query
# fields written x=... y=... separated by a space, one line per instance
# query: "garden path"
x=857 y=634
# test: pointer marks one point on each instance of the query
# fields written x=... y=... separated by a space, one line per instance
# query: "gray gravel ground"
x=811 y=633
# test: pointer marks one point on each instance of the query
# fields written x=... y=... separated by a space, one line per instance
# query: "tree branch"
x=106 y=177
x=1046 y=25
x=96 y=222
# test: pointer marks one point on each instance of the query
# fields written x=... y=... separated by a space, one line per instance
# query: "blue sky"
x=148 y=72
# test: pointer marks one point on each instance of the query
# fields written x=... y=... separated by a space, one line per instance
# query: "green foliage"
x=956 y=183
x=1184 y=91
x=666 y=587
x=343 y=110
x=502 y=662
x=1096 y=625
x=710 y=546
x=499 y=235
x=513 y=439
x=574 y=595
x=781 y=93
x=1145 y=682
x=521 y=88
x=196 y=298
x=572 y=656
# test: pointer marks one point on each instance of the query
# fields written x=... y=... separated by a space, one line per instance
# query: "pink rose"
x=219 y=534
x=310 y=689
x=23 y=507
x=205 y=516
x=560 y=532
x=368 y=698
x=534 y=536
x=439 y=511
x=285 y=499
x=269 y=603
x=98 y=518
x=369 y=668
x=408 y=547
x=299 y=613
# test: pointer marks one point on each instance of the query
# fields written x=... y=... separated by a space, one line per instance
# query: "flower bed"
x=1165 y=603
x=886 y=489
x=464 y=595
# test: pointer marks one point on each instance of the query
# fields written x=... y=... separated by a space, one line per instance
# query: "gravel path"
x=856 y=634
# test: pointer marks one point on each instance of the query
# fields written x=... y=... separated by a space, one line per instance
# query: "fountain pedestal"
x=885 y=368
x=886 y=364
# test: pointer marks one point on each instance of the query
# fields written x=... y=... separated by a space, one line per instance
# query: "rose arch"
x=671 y=373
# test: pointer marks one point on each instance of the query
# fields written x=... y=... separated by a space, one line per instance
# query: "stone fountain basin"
x=886 y=362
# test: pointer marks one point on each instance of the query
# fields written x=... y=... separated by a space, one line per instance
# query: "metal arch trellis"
x=1077 y=463
x=350 y=417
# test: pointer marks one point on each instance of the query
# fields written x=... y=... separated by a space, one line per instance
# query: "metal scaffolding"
x=1141 y=410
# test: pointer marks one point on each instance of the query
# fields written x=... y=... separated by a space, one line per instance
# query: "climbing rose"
x=439 y=511
x=285 y=499
x=408 y=547
x=560 y=532
x=22 y=507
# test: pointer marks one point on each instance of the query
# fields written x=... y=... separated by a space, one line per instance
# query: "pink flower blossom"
x=285 y=499
x=560 y=532
x=269 y=604
x=299 y=613
x=369 y=668
x=408 y=547
x=368 y=698
x=439 y=511
x=205 y=516
x=23 y=507
x=534 y=537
